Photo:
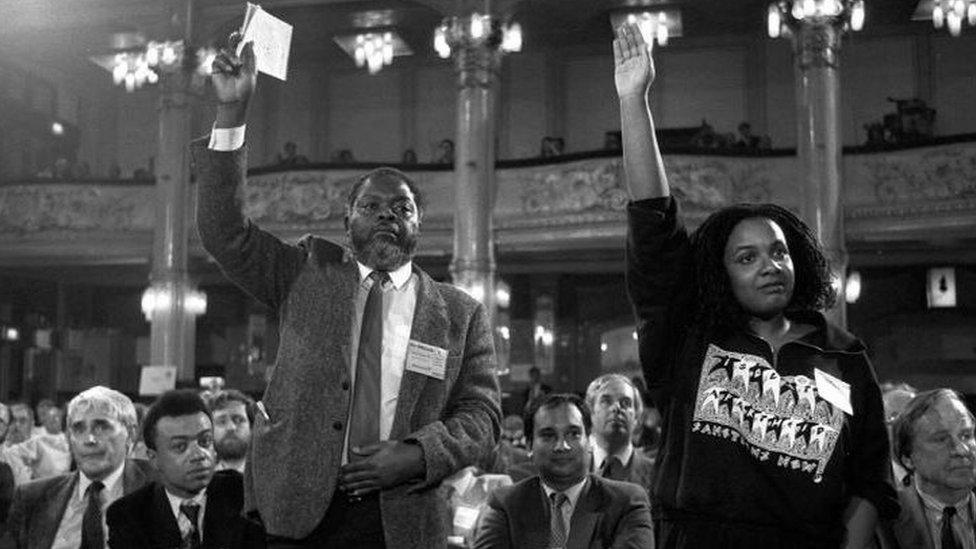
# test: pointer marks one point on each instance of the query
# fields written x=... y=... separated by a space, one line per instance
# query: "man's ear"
x=151 y=456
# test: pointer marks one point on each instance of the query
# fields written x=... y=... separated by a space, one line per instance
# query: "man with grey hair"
x=616 y=410
x=67 y=511
x=934 y=441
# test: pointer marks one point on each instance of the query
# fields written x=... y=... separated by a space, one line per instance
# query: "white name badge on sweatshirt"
x=426 y=359
x=833 y=390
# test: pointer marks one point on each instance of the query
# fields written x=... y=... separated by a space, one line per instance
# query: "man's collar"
x=572 y=493
x=933 y=503
x=398 y=277
x=108 y=483
x=175 y=501
x=600 y=454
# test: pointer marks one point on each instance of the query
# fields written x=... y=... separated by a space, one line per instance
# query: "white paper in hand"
x=272 y=41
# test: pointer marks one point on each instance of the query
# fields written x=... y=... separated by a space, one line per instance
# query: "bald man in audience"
x=934 y=441
x=617 y=409
x=67 y=511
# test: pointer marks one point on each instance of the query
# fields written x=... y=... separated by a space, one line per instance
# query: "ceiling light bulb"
x=440 y=42
x=954 y=22
x=809 y=8
x=797 y=11
x=360 y=56
x=387 y=53
x=971 y=14
x=773 y=21
x=662 y=35
x=857 y=15
x=938 y=16
x=477 y=26
x=512 y=38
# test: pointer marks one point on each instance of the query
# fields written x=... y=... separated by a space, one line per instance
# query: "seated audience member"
x=18 y=431
x=138 y=450
x=4 y=421
x=536 y=388
x=510 y=449
x=46 y=453
x=232 y=415
x=616 y=407
x=66 y=511
x=934 y=442
x=409 y=157
x=290 y=156
x=445 y=152
x=564 y=506
x=40 y=413
x=188 y=506
x=895 y=397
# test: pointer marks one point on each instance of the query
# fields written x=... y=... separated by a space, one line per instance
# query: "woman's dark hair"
x=717 y=307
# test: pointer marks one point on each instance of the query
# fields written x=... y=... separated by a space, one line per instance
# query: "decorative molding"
x=28 y=209
x=930 y=174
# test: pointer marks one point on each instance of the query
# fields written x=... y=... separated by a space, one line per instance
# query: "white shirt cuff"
x=227 y=139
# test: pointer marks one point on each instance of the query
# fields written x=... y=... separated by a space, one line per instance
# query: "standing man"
x=188 y=506
x=232 y=416
x=565 y=507
x=384 y=382
x=617 y=407
x=934 y=441
x=66 y=511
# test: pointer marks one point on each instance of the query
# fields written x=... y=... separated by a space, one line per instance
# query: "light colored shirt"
x=228 y=466
x=69 y=531
x=600 y=455
x=181 y=520
x=962 y=523
x=399 y=302
x=572 y=496
x=227 y=139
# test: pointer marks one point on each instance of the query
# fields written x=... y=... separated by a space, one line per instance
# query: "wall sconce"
x=941 y=291
x=655 y=25
x=373 y=48
x=852 y=290
x=159 y=297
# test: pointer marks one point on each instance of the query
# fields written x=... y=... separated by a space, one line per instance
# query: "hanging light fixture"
x=137 y=66
x=784 y=15
x=952 y=14
x=476 y=30
x=373 y=49
x=655 y=25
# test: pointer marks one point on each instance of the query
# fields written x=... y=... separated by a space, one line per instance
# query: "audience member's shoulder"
x=322 y=251
x=228 y=480
x=40 y=487
x=623 y=488
x=506 y=494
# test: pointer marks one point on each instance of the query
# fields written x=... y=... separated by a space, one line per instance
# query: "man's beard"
x=383 y=253
x=231 y=447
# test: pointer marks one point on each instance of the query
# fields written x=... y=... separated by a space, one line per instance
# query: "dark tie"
x=611 y=467
x=557 y=526
x=364 y=425
x=92 y=535
x=949 y=539
x=192 y=538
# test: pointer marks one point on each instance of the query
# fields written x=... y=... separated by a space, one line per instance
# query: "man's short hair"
x=550 y=401
x=903 y=428
x=513 y=422
x=222 y=399
x=179 y=402
x=418 y=197
x=601 y=383
x=21 y=404
x=113 y=403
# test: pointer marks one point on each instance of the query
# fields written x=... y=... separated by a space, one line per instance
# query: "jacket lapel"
x=585 y=517
x=48 y=523
x=532 y=517
x=163 y=522
x=430 y=326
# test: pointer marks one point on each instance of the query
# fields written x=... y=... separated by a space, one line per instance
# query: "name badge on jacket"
x=426 y=359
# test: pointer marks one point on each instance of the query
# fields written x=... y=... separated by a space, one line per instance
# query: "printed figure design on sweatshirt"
x=778 y=419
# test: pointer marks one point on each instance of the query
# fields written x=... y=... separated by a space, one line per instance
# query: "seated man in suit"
x=617 y=408
x=934 y=441
x=188 y=506
x=564 y=506
x=65 y=511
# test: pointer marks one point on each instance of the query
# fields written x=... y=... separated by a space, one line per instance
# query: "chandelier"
x=136 y=67
x=951 y=13
x=655 y=26
x=786 y=15
x=373 y=48
x=476 y=30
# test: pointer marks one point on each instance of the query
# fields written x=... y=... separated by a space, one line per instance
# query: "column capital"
x=477 y=66
x=817 y=45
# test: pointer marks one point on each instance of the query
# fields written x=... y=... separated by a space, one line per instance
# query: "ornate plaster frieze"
x=931 y=174
x=38 y=208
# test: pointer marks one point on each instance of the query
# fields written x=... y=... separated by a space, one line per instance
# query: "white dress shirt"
x=181 y=520
x=962 y=523
x=227 y=139
x=68 y=535
x=572 y=496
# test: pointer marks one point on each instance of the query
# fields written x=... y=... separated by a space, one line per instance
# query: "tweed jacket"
x=144 y=519
x=296 y=451
x=38 y=506
x=608 y=514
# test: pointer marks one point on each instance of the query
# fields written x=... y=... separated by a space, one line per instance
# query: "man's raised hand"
x=234 y=79
x=633 y=66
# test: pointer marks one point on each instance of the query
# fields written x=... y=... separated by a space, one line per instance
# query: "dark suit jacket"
x=637 y=471
x=296 y=452
x=608 y=514
x=39 y=505
x=6 y=494
x=144 y=519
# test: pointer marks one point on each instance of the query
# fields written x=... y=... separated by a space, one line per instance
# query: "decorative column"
x=816 y=27
x=477 y=42
x=171 y=303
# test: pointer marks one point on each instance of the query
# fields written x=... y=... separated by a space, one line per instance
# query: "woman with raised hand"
x=773 y=425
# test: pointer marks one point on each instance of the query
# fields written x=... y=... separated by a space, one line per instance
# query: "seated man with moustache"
x=189 y=506
x=564 y=506
x=934 y=441
x=617 y=408
x=65 y=511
